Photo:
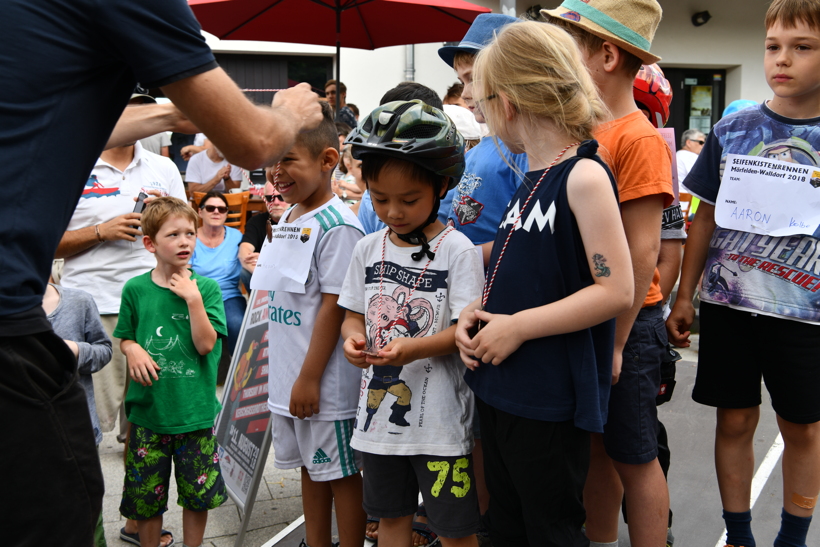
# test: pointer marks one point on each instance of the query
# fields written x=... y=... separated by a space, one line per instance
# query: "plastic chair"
x=237 y=208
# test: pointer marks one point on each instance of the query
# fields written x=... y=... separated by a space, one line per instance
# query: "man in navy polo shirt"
x=69 y=68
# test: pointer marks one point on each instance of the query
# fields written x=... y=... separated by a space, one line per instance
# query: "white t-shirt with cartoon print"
x=423 y=407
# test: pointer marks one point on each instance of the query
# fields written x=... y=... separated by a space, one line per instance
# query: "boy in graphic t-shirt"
x=758 y=286
x=170 y=323
x=405 y=287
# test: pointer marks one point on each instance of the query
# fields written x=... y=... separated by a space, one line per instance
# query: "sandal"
x=367 y=536
x=135 y=537
x=423 y=530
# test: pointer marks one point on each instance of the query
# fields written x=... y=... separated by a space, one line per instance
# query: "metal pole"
x=410 y=63
x=338 y=56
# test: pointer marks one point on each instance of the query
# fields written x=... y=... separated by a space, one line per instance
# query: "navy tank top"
x=555 y=378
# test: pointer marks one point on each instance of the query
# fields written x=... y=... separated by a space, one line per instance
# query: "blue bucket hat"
x=479 y=35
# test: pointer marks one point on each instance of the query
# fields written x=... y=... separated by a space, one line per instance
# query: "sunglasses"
x=699 y=142
x=212 y=208
x=277 y=197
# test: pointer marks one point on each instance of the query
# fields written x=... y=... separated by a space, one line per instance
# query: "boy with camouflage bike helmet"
x=413 y=422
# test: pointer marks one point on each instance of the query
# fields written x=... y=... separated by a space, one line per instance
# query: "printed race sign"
x=242 y=428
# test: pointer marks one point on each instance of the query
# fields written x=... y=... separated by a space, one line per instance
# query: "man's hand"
x=399 y=352
x=300 y=102
x=122 y=227
x=187 y=151
x=354 y=350
x=224 y=173
x=185 y=287
x=141 y=367
x=304 y=397
x=249 y=262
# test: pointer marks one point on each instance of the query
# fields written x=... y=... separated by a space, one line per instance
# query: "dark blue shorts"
x=631 y=431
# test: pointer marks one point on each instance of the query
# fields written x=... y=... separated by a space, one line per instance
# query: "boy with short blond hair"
x=615 y=37
x=170 y=323
x=761 y=285
x=313 y=390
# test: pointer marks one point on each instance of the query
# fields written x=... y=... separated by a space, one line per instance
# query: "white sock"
x=596 y=544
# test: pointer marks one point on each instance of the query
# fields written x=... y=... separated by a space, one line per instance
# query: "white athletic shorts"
x=321 y=447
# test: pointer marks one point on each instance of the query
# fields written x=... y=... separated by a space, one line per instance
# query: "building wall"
x=732 y=39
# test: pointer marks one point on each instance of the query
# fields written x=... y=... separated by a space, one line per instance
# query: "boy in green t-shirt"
x=170 y=322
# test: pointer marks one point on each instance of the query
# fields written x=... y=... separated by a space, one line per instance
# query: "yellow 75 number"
x=459 y=476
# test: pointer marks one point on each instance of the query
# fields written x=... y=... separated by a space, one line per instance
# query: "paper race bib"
x=768 y=197
x=284 y=262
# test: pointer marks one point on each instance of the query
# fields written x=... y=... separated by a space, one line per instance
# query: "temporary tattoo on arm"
x=601 y=269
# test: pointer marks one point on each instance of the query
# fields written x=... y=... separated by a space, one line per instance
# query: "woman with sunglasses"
x=216 y=256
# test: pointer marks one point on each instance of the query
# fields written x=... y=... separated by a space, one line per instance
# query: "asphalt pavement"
x=692 y=483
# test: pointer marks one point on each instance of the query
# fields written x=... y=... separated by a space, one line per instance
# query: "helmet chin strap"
x=417 y=237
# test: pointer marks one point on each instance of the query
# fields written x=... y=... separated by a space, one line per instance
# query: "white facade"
x=732 y=40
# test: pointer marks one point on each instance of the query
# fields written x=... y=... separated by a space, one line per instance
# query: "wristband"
x=97 y=231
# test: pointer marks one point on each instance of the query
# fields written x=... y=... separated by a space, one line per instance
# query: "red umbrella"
x=362 y=24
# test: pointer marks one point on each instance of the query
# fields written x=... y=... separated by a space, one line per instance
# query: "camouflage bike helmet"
x=416 y=132
x=412 y=131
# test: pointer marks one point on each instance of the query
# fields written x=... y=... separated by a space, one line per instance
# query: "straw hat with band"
x=630 y=25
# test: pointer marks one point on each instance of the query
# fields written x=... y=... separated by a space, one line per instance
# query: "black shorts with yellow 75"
x=447 y=485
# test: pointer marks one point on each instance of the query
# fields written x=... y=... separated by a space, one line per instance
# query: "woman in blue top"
x=215 y=256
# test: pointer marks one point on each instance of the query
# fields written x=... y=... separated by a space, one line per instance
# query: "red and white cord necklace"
x=379 y=341
x=488 y=284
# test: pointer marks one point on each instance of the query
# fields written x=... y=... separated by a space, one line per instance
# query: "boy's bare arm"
x=669 y=261
x=202 y=332
x=402 y=351
x=141 y=367
x=353 y=333
x=305 y=395
x=642 y=225
x=694 y=259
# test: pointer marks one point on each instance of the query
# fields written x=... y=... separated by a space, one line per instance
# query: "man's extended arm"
x=122 y=227
x=214 y=103
x=138 y=122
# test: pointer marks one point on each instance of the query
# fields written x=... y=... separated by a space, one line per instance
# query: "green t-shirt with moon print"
x=183 y=399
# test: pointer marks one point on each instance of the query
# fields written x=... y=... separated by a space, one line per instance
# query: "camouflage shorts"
x=148 y=472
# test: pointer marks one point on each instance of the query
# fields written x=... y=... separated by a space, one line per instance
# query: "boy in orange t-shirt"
x=624 y=459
